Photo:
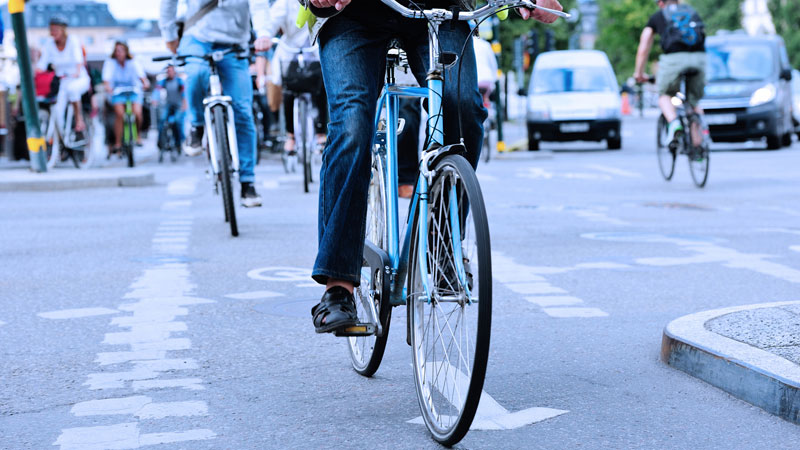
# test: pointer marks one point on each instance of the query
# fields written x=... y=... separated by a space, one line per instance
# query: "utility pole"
x=36 y=146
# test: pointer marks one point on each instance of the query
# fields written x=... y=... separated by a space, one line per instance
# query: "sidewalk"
x=752 y=352
x=17 y=176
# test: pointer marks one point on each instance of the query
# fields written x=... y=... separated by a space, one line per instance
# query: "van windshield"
x=573 y=79
x=739 y=61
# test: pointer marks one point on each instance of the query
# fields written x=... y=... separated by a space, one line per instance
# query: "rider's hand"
x=338 y=4
x=263 y=44
x=172 y=46
x=538 y=14
x=640 y=77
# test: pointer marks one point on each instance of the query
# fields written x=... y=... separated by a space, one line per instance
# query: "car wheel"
x=773 y=142
x=614 y=143
x=533 y=145
x=786 y=140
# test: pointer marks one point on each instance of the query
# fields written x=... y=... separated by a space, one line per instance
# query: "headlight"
x=763 y=95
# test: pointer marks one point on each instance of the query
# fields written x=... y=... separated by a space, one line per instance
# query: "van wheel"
x=786 y=140
x=773 y=142
x=533 y=145
x=614 y=143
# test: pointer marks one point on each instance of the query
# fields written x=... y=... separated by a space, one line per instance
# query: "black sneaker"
x=250 y=197
x=194 y=145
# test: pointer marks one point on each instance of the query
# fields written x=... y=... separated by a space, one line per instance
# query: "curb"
x=61 y=180
x=746 y=372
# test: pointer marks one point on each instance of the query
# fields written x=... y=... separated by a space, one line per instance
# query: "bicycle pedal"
x=359 y=329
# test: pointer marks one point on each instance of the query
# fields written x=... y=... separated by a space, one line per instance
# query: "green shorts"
x=670 y=66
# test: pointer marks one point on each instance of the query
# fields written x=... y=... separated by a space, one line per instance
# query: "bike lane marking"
x=155 y=300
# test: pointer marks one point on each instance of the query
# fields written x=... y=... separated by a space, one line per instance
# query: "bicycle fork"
x=214 y=99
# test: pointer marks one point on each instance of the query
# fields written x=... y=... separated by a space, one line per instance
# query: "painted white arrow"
x=490 y=415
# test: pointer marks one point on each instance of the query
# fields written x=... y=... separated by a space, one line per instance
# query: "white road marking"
x=554 y=300
x=77 y=313
x=575 y=312
x=123 y=436
x=794 y=248
x=780 y=230
x=594 y=215
x=2 y=323
x=490 y=414
x=280 y=273
x=535 y=288
x=614 y=170
x=271 y=184
x=160 y=295
x=308 y=285
x=254 y=295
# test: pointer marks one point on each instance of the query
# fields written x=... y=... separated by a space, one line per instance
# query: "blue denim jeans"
x=235 y=77
x=169 y=114
x=353 y=55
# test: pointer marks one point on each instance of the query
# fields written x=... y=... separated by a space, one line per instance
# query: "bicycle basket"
x=306 y=78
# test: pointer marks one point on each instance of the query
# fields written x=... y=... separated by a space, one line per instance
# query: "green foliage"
x=514 y=27
x=719 y=14
x=620 y=25
x=786 y=17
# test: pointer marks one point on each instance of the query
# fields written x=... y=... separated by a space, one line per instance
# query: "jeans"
x=172 y=115
x=235 y=77
x=353 y=55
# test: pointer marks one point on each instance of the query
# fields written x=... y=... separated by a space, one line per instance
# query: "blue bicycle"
x=442 y=271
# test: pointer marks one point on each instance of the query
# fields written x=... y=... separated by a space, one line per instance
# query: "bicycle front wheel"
x=301 y=134
x=52 y=147
x=366 y=352
x=450 y=300
x=224 y=164
x=698 y=165
x=83 y=154
x=666 y=155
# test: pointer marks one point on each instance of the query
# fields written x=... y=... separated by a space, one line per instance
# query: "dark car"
x=748 y=95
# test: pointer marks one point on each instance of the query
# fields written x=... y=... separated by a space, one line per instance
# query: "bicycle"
x=62 y=143
x=489 y=125
x=304 y=114
x=220 y=131
x=684 y=144
x=442 y=269
x=129 y=129
x=169 y=139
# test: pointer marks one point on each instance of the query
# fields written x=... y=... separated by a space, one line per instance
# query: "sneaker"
x=194 y=146
x=250 y=197
x=673 y=129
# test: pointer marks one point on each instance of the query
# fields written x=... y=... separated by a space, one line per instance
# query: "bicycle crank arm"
x=359 y=329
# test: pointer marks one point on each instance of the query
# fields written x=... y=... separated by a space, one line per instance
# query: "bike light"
x=763 y=95
x=676 y=101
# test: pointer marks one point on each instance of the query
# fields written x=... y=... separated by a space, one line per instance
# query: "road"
x=129 y=317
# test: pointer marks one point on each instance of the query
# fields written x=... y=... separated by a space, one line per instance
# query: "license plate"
x=720 y=119
x=574 y=127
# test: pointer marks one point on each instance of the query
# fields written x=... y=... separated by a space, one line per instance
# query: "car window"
x=573 y=79
x=739 y=61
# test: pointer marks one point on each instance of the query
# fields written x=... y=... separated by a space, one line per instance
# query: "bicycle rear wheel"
x=666 y=155
x=128 y=138
x=224 y=164
x=450 y=300
x=366 y=352
x=301 y=137
x=83 y=155
x=698 y=165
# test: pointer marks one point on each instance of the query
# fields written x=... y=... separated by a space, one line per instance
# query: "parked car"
x=748 y=94
x=796 y=100
x=573 y=95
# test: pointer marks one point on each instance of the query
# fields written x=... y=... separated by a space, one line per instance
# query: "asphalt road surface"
x=130 y=318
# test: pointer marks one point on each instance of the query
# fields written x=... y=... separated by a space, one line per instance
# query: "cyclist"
x=120 y=71
x=353 y=41
x=678 y=56
x=174 y=103
x=218 y=25
x=283 y=14
x=65 y=55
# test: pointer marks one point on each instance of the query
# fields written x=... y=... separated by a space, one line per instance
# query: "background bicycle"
x=57 y=119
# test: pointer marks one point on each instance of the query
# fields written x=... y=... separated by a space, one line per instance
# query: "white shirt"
x=228 y=23
x=282 y=16
x=129 y=75
x=65 y=62
x=486 y=61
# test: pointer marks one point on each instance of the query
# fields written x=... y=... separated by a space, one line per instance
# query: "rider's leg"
x=73 y=89
x=288 y=113
x=137 y=112
x=235 y=76
x=197 y=73
x=469 y=99
x=667 y=108
x=119 y=113
x=353 y=55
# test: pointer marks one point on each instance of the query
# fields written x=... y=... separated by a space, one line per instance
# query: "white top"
x=65 y=62
x=486 y=61
x=283 y=16
x=129 y=75
x=228 y=23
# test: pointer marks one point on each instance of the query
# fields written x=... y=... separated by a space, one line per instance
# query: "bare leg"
x=137 y=111
x=80 y=125
x=119 y=111
x=667 y=108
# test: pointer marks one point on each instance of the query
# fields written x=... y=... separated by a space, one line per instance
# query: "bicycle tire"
x=51 y=147
x=224 y=164
x=666 y=155
x=366 y=352
x=129 y=136
x=83 y=157
x=446 y=411
x=300 y=111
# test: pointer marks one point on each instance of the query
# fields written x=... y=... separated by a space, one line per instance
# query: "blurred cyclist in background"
x=173 y=103
x=121 y=71
x=65 y=55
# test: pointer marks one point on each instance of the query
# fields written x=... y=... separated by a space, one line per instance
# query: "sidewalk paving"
x=751 y=351
x=17 y=176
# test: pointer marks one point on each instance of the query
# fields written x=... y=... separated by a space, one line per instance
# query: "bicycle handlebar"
x=214 y=56
x=492 y=7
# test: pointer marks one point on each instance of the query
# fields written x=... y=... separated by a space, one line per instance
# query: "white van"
x=573 y=96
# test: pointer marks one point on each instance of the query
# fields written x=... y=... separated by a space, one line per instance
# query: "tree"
x=786 y=17
x=719 y=14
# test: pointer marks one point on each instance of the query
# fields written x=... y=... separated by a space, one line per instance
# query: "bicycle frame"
x=215 y=98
